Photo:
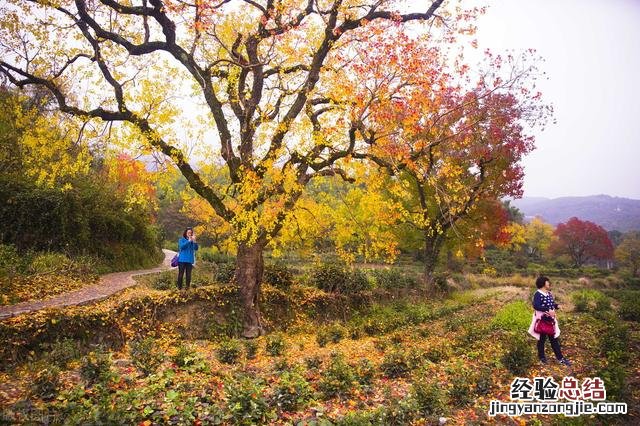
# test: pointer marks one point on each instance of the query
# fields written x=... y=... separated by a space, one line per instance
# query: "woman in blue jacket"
x=187 y=247
x=543 y=304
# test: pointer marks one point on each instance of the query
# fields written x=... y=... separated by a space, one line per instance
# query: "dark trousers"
x=184 y=268
x=555 y=345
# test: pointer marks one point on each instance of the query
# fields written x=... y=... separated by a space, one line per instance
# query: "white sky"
x=592 y=58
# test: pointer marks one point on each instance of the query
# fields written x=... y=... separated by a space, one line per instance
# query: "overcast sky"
x=592 y=58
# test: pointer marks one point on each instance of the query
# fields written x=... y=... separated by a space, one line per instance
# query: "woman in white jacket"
x=543 y=304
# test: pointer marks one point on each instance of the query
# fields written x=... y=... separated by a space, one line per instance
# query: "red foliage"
x=582 y=240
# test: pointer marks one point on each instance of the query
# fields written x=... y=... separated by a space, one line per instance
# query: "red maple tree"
x=583 y=241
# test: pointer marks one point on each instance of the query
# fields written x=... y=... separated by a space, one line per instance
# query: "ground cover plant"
x=389 y=362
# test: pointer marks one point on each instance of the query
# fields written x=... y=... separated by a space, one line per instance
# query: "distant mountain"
x=622 y=214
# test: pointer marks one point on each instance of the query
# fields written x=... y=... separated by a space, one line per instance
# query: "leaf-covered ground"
x=400 y=363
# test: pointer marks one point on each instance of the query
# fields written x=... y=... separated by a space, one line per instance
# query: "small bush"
x=630 y=306
x=614 y=342
x=229 y=351
x=46 y=383
x=357 y=282
x=483 y=382
x=281 y=365
x=146 y=355
x=614 y=376
x=438 y=353
x=395 y=364
x=339 y=378
x=278 y=275
x=365 y=373
x=460 y=392
x=185 y=356
x=313 y=362
x=518 y=356
x=429 y=397
x=224 y=272
x=330 y=276
x=322 y=337
x=246 y=401
x=251 y=348
x=590 y=301
x=165 y=281
x=275 y=344
x=96 y=368
x=10 y=260
x=62 y=351
x=48 y=263
x=515 y=316
x=292 y=391
x=392 y=279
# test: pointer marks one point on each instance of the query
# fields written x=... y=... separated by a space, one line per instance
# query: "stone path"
x=108 y=285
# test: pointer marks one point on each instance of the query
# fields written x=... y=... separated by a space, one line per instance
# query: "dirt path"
x=108 y=285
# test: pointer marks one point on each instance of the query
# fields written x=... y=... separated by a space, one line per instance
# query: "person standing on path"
x=187 y=247
x=543 y=304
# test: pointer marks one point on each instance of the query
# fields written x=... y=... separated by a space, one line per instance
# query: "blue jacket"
x=543 y=303
x=187 y=250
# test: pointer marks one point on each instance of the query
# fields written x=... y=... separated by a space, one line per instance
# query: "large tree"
x=449 y=138
x=265 y=72
x=583 y=241
x=628 y=252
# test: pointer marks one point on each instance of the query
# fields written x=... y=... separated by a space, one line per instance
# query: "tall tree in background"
x=628 y=252
x=538 y=237
x=583 y=241
x=448 y=139
x=264 y=71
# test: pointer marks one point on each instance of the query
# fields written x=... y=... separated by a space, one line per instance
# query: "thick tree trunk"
x=249 y=277
x=432 y=246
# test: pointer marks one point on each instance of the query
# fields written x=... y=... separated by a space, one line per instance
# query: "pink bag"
x=545 y=325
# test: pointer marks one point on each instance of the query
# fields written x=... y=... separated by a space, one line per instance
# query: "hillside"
x=622 y=214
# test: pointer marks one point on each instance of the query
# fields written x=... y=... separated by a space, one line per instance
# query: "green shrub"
x=96 y=368
x=590 y=301
x=515 y=316
x=330 y=276
x=164 y=281
x=357 y=282
x=322 y=337
x=46 y=382
x=438 y=353
x=614 y=342
x=229 y=351
x=280 y=365
x=429 y=397
x=251 y=348
x=365 y=373
x=146 y=355
x=392 y=279
x=275 y=344
x=212 y=255
x=518 y=356
x=292 y=391
x=185 y=356
x=339 y=378
x=62 y=351
x=313 y=362
x=278 y=275
x=461 y=380
x=483 y=381
x=630 y=306
x=224 y=272
x=10 y=260
x=246 y=401
x=395 y=364
x=614 y=376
